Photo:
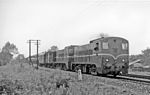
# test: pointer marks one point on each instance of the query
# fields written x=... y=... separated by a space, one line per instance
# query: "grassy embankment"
x=24 y=80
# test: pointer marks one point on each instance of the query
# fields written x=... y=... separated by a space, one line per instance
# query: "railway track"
x=138 y=76
x=129 y=77
x=135 y=78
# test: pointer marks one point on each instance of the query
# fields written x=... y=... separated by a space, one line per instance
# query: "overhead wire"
x=97 y=3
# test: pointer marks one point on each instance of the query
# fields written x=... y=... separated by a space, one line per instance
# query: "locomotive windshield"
x=97 y=47
x=105 y=45
x=124 y=46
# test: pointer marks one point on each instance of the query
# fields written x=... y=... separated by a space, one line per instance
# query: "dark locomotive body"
x=109 y=55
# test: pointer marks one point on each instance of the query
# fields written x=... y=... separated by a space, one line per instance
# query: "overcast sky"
x=73 y=22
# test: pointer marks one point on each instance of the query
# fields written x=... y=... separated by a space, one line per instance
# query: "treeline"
x=8 y=52
x=144 y=56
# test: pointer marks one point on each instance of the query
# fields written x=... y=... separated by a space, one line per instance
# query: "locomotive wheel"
x=114 y=75
x=58 y=66
x=104 y=75
x=98 y=74
x=93 y=69
x=88 y=70
x=77 y=67
x=61 y=66
x=64 y=67
x=73 y=67
x=84 y=68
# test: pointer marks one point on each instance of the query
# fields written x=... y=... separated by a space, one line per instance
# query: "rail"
x=130 y=77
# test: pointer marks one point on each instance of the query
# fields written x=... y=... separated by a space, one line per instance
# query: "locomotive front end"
x=122 y=63
x=115 y=57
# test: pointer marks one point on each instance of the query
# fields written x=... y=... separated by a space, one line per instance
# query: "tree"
x=5 y=58
x=145 y=56
x=103 y=35
x=146 y=52
x=7 y=53
x=10 y=48
x=20 y=57
x=54 y=48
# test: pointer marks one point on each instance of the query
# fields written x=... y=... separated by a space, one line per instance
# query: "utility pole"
x=37 y=43
x=30 y=53
x=30 y=61
x=37 y=54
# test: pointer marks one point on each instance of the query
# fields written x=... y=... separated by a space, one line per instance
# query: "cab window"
x=124 y=46
x=96 y=47
x=105 y=45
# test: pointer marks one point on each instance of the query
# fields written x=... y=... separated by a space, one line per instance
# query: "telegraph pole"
x=30 y=61
x=37 y=43
x=30 y=52
x=37 y=54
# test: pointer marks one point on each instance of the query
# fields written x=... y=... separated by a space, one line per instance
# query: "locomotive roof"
x=103 y=38
x=72 y=46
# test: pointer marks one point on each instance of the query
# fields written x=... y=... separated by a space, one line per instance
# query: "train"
x=102 y=56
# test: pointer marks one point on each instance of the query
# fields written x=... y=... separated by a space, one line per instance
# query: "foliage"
x=5 y=58
x=19 y=59
x=146 y=52
x=103 y=35
x=45 y=81
x=10 y=48
x=7 y=53
x=145 y=56
x=54 y=48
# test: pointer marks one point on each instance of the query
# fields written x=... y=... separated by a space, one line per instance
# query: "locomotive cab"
x=113 y=55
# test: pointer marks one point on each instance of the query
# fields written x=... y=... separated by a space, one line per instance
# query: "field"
x=16 y=79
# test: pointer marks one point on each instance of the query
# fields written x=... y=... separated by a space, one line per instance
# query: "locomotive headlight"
x=107 y=60
x=123 y=60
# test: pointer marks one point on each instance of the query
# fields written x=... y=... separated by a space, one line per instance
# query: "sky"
x=73 y=22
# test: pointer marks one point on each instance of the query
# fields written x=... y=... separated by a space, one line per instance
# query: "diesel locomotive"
x=102 y=56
